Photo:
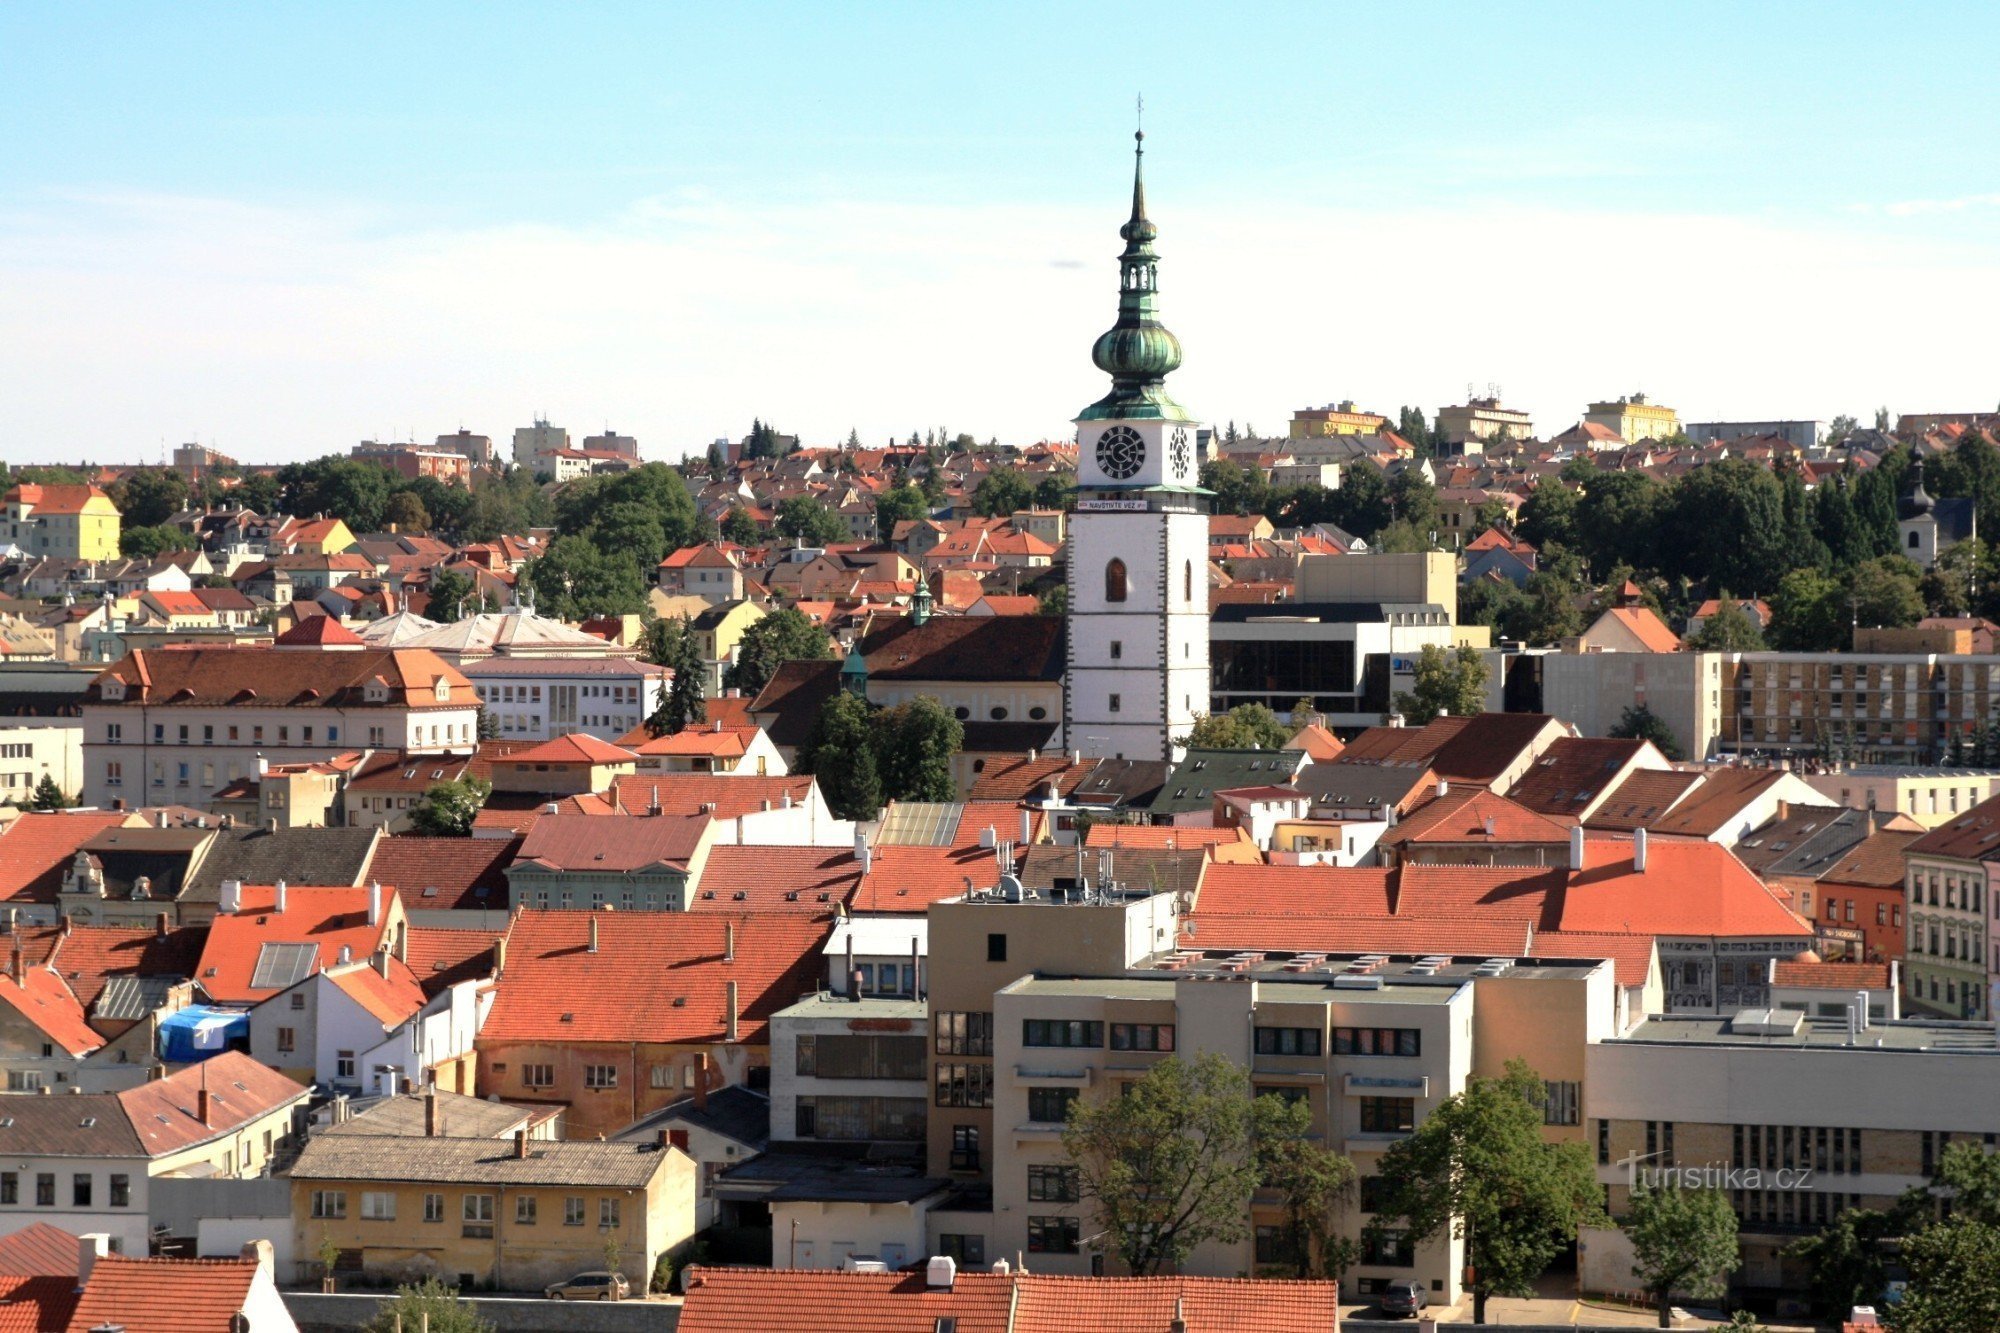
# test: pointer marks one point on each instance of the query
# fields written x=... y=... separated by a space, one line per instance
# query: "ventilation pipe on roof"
x=201 y=1105
x=375 y=902
x=1576 y=847
x=1861 y=1008
x=346 y=955
x=1179 y=1324
x=1027 y=827
x=729 y=941
x=279 y=889
x=162 y=819
x=592 y=947
x=848 y=978
x=1443 y=788
x=731 y=988
x=1639 y=850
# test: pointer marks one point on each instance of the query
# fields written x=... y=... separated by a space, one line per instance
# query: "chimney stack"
x=593 y=933
x=1576 y=847
x=279 y=888
x=160 y=925
x=374 y=902
x=701 y=1079
x=430 y=1113
x=500 y=956
x=230 y=900
x=732 y=1011
x=17 y=966
x=847 y=977
x=521 y=1144
x=382 y=963
x=1639 y=850
x=729 y=941
x=201 y=1105
x=259 y=1252
x=90 y=1247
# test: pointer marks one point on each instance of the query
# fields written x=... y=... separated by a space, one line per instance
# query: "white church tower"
x=1138 y=546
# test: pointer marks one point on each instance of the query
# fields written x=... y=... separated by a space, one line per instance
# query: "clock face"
x=1121 y=452
x=1178 y=451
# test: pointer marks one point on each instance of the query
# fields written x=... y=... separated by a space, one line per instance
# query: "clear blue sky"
x=286 y=227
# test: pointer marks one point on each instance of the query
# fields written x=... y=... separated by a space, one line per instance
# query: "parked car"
x=598 y=1286
x=1403 y=1297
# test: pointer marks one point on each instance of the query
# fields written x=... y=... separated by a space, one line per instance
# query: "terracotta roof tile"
x=1647 y=628
x=1168 y=836
x=775 y=879
x=89 y=956
x=1018 y=779
x=165 y=1112
x=1051 y=1304
x=687 y=793
x=35 y=848
x=657 y=976
x=1972 y=836
x=1831 y=976
x=1631 y=955
x=327 y=919
x=1722 y=795
x=611 y=845
x=163 y=1295
x=219 y=677
x=1641 y=799
x=1877 y=862
x=575 y=748
x=388 y=1000
x=910 y=879
x=1474 y=815
x=1687 y=888
x=442 y=956
x=1246 y=890
x=1532 y=895
x=43 y=1000
x=445 y=872
x=1572 y=776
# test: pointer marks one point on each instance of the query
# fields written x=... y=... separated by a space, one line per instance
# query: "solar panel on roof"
x=280 y=965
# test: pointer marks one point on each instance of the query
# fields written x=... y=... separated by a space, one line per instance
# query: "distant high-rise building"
x=538 y=442
x=478 y=448
x=611 y=442
x=1468 y=428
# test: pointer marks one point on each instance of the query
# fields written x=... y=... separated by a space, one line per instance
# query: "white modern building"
x=538 y=698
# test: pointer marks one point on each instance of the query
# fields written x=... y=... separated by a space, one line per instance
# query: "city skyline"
x=669 y=224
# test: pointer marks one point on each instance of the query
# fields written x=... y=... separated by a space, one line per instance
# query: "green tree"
x=810 y=523
x=448 y=808
x=1054 y=602
x=1726 y=524
x=574 y=579
x=1479 y=1169
x=1885 y=592
x=1954 y=1282
x=349 y=489
x=1056 y=491
x=1848 y=1261
x=1314 y=1184
x=838 y=752
x=1001 y=492
x=1640 y=723
x=739 y=527
x=1729 y=630
x=1170 y=1163
x=1244 y=727
x=1617 y=520
x=672 y=643
x=1809 y=612
x=899 y=504
x=1840 y=428
x=407 y=512
x=151 y=543
x=1446 y=682
x=449 y=589
x=429 y=1304
x=782 y=636
x=1238 y=490
x=914 y=743
x=1548 y=515
x=1683 y=1243
x=150 y=496
x=47 y=795
x=1547 y=610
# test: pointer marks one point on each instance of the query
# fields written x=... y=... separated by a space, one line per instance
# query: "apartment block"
x=1797 y=1117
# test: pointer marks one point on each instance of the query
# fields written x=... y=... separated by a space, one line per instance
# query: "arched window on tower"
x=1114 y=581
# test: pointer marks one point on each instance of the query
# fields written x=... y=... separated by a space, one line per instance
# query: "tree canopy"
x=782 y=636
x=1244 y=727
x=448 y=808
x=1446 y=682
x=1683 y=1243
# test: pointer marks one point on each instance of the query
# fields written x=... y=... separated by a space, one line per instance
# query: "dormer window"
x=443 y=690
x=112 y=690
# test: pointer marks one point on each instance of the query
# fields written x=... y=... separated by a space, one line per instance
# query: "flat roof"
x=1269 y=992
x=825 y=1005
x=1401 y=969
x=1908 y=1034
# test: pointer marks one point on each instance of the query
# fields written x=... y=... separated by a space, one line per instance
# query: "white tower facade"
x=1138 y=671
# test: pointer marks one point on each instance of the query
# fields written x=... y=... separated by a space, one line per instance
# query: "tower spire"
x=1138 y=351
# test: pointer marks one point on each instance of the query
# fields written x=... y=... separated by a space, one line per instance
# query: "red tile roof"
x=163 y=1295
x=776 y=879
x=751 y=1300
x=1631 y=955
x=1474 y=749
x=388 y=1000
x=220 y=677
x=1474 y=815
x=1640 y=799
x=1345 y=934
x=1721 y=797
x=1972 y=836
x=575 y=748
x=656 y=977
x=1875 y=862
x=1018 y=779
x=1265 y=890
x=445 y=872
x=910 y=879
x=1831 y=976
x=1528 y=894
x=1651 y=632
x=1163 y=836
x=687 y=793
x=319 y=632
x=35 y=849
x=328 y=918
x=1574 y=774
x=43 y=1000
x=440 y=956
x=725 y=744
x=38 y=1249
x=1687 y=888
x=1321 y=745
x=165 y=1113
x=611 y=845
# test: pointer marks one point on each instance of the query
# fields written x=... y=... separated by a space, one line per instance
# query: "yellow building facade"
x=1635 y=419
x=62 y=522
x=1341 y=418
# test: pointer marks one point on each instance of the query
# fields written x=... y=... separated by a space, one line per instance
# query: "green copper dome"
x=1138 y=352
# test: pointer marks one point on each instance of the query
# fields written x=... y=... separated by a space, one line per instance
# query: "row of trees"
x=865 y=757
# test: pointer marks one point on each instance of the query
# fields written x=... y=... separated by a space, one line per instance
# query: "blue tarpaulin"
x=198 y=1031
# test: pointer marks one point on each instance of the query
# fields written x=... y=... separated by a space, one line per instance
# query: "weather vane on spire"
x=1139 y=118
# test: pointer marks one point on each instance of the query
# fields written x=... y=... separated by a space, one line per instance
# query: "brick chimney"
x=593 y=932
x=431 y=1117
x=521 y=1144
x=201 y=1105
x=731 y=986
x=701 y=1079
